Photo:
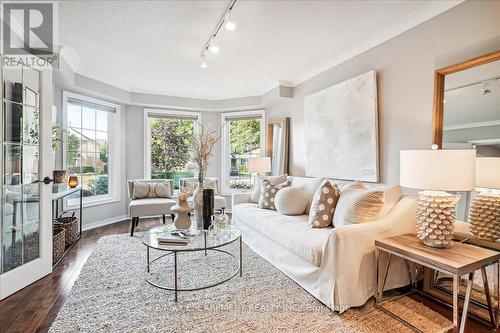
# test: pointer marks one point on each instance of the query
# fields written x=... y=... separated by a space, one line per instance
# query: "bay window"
x=167 y=137
x=90 y=150
x=243 y=137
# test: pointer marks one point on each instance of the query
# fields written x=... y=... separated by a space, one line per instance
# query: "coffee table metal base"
x=176 y=289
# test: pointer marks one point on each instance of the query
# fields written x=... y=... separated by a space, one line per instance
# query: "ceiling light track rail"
x=210 y=45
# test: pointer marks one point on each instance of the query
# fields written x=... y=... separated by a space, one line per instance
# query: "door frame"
x=22 y=276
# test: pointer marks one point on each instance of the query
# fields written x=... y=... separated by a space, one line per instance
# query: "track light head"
x=230 y=25
x=213 y=48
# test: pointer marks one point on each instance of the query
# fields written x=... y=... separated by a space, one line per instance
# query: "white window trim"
x=225 y=166
x=114 y=173
x=147 y=132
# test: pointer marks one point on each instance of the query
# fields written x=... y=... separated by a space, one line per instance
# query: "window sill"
x=92 y=203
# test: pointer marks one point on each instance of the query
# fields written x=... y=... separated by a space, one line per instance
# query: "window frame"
x=197 y=116
x=114 y=172
x=225 y=144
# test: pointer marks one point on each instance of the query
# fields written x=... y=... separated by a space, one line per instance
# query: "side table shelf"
x=56 y=199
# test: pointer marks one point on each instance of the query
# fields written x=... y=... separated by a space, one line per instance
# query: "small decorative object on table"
x=201 y=148
x=60 y=176
x=182 y=210
x=437 y=171
x=208 y=207
x=73 y=181
x=485 y=208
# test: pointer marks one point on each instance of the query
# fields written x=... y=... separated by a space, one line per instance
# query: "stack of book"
x=177 y=237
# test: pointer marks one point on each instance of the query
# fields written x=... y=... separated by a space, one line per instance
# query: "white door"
x=25 y=159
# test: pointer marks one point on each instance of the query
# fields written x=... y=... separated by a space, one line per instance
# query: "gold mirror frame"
x=270 y=133
x=477 y=309
x=439 y=77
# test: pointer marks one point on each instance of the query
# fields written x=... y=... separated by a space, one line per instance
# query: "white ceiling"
x=154 y=46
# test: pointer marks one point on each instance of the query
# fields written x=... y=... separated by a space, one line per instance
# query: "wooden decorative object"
x=60 y=176
x=439 y=76
x=435 y=218
x=484 y=216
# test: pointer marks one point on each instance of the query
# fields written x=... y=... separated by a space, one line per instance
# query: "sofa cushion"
x=290 y=201
x=291 y=232
x=268 y=193
x=150 y=206
x=309 y=186
x=358 y=205
x=323 y=205
x=257 y=180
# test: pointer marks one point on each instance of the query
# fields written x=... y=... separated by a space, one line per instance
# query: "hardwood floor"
x=34 y=308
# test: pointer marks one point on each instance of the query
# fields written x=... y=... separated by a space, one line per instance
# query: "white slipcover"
x=335 y=265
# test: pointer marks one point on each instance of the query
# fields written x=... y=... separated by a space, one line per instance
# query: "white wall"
x=405 y=68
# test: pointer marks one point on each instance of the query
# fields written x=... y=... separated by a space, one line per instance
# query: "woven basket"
x=70 y=224
x=58 y=244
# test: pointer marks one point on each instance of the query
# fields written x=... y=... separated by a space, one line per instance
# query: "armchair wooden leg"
x=163 y=218
x=173 y=217
x=132 y=226
x=136 y=221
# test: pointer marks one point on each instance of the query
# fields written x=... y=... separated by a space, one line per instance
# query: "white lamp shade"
x=259 y=164
x=488 y=172
x=438 y=170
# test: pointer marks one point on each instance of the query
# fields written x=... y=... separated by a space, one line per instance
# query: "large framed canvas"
x=341 y=130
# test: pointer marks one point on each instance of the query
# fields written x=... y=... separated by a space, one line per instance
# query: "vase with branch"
x=202 y=152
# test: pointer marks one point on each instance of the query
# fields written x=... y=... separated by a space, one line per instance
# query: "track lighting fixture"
x=210 y=45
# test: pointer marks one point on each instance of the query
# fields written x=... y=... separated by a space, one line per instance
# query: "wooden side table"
x=461 y=259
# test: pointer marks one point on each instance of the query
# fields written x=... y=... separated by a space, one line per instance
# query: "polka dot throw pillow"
x=268 y=193
x=323 y=205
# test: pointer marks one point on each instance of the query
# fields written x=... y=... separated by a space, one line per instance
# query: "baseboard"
x=101 y=223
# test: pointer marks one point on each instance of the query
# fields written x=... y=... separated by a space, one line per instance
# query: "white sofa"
x=335 y=265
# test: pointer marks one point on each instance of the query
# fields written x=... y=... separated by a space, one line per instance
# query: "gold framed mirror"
x=439 y=90
x=466 y=115
x=278 y=136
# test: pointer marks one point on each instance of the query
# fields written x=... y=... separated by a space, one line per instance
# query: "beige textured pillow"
x=290 y=201
x=323 y=205
x=257 y=180
x=151 y=190
x=268 y=193
x=357 y=205
x=163 y=190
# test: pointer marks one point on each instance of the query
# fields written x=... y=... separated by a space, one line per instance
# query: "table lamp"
x=484 y=214
x=259 y=164
x=436 y=171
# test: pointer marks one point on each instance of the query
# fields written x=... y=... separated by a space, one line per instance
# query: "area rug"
x=111 y=295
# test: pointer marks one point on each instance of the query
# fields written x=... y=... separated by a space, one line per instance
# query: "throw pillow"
x=151 y=190
x=257 y=179
x=192 y=185
x=163 y=190
x=268 y=193
x=357 y=205
x=290 y=201
x=323 y=205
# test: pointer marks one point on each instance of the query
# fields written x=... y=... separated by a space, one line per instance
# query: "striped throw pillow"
x=358 y=205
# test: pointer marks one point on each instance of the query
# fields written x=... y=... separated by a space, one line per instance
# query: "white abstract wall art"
x=341 y=130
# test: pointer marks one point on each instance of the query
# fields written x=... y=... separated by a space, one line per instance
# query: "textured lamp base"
x=484 y=216
x=435 y=218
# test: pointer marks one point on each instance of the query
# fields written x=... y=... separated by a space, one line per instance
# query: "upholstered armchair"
x=150 y=205
x=213 y=183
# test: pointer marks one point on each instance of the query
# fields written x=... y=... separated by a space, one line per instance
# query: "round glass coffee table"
x=202 y=243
